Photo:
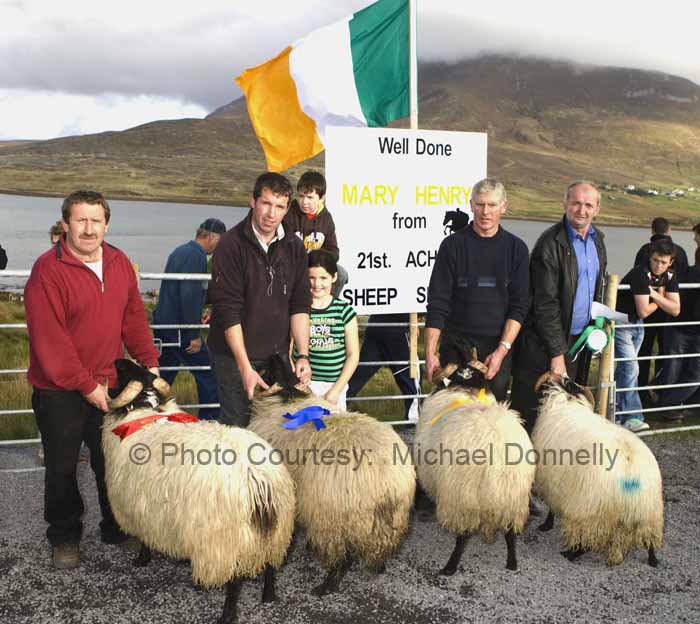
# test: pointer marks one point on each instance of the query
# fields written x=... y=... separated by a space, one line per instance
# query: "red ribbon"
x=133 y=426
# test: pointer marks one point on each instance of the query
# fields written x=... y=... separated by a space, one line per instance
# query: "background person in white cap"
x=180 y=302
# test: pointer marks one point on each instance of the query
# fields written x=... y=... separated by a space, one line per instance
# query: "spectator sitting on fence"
x=310 y=220
x=661 y=230
x=334 y=344
x=652 y=287
x=387 y=344
x=679 y=340
x=180 y=302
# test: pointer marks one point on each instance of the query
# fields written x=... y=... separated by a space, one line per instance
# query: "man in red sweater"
x=82 y=302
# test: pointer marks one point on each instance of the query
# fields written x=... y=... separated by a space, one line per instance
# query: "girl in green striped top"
x=334 y=344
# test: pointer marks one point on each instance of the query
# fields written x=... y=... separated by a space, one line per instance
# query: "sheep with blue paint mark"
x=609 y=507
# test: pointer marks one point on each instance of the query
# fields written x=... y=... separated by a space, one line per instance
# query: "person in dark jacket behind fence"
x=259 y=293
x=180 y=302
x=661 y=230
x=3 y=258
x=678 y=340
x=82 y=304
x=567 y=267
x=478 y=292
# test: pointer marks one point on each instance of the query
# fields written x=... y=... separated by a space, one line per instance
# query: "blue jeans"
x=177 y=356
x=679 y=370
x=627 y=343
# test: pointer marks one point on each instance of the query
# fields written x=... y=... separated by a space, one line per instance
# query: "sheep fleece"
x=361 y=508
x=487 y=498
x=203 y=511
x=606 y=511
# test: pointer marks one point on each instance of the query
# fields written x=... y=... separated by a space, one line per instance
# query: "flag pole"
x=413 y=107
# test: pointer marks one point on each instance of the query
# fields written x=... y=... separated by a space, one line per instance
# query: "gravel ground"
x=545 y=588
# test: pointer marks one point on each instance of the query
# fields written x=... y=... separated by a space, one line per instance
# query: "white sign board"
x=388 y=192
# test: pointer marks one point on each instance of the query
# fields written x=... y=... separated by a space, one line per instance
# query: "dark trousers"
x=235 y=405
x=206 y=384
x=523 y=398
x=385 y=344
x=679 y=370
x=650 y=335
x=485 y=346
x=66 y=420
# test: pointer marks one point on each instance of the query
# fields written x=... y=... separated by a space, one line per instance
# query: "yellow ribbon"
x=482 y=398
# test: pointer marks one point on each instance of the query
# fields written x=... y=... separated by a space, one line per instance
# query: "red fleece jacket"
x=77 y=325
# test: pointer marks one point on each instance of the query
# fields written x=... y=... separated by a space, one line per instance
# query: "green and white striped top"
x=327 y=340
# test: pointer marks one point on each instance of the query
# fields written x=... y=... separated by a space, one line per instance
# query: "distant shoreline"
x=186 y=200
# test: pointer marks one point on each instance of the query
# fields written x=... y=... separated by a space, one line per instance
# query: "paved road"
x=546 y=588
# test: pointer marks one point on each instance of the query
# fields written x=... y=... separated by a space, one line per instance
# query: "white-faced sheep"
x=190 y=490
x=608 y=505
x=353 y=495
x=462 y=445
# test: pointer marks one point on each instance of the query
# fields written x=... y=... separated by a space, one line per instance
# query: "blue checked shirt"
x=588 y=267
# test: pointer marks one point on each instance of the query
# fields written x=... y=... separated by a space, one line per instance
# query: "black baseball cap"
x=213 y=225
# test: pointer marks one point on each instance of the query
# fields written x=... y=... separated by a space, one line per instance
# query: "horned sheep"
x=353 y=495
x=483 y=493
x=610 y=505
x=230 y=517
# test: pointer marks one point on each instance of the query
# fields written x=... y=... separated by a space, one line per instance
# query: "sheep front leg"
x=233 y=590
x=548 y=523
x=268 y=594
x=143 y=558
x=335 y=575
x=511 y=561
x=652 y=561
x=456 y=556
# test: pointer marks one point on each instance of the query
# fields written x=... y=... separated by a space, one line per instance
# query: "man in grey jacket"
x=567 y=268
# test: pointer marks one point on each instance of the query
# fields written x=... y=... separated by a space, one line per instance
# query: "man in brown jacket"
x=259 y=294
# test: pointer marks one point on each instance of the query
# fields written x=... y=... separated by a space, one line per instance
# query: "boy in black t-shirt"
x=683 y=339
x=653 y=287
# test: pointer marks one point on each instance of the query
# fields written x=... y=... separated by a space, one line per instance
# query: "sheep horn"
x=273 y=389
x=162 y=387
x=444 y=373
x=127 y=395
x=543 y=379
x=480 y=366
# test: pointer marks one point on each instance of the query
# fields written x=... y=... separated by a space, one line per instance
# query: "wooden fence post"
x=606 y=357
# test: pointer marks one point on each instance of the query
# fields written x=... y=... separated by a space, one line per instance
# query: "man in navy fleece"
x=479 y=291
x=180 y=302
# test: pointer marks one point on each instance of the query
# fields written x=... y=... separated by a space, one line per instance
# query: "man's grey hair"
x=487 y=185
x=581 y=183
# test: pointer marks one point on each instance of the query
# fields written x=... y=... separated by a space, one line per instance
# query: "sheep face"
x=138 y=387
x=471 y=379
x=553 y=381
x=278 y=374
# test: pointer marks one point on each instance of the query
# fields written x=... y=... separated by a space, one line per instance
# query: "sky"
x=80 y=66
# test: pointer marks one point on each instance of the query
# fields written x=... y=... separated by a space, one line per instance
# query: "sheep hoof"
x=652 y=561
x=548 y=524
x=511 y=565
x=448 y=570
x=143 y=558
x=572 y=554
x=322 y=590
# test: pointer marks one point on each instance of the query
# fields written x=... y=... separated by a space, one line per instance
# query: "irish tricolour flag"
x=351 y=73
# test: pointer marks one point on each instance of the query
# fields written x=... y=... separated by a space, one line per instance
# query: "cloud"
x=178 y=57
x=45 y=115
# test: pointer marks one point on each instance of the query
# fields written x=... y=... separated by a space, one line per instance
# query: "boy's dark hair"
x=312 y=181
x=322 y=258
x=274 y=182
x=696 y=228
x=662 y=248
x=84 y=197
x=660 y=225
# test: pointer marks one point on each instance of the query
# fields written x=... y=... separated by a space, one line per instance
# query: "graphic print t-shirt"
x=327 y=340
